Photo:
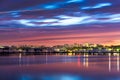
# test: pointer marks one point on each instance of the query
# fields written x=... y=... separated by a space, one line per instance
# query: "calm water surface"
x=60 y=67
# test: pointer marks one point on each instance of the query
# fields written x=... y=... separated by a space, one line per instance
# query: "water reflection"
x=46 y=59
x=80 y=67
x=85 y=60
x=51 y=77
x=110 y=63
x=20 y=57
x=65 y=77
x=79 y=60
x=61 y=77
x=117 y=62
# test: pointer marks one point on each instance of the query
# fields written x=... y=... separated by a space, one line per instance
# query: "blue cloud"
x=50 y=7
x=100 y=5
x=74 y=1
x=65 y=20
x=61 y=13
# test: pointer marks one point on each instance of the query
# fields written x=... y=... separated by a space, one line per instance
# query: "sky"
x=58 y=22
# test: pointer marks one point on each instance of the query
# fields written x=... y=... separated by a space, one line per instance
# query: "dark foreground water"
x=60 y=67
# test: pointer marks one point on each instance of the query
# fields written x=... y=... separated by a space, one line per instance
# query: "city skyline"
x=59 y=22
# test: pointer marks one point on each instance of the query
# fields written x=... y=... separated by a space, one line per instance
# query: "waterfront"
x=54 y=67
x=66 y=49
x=59 y=40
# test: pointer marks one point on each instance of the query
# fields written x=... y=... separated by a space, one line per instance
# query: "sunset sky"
x=57 y=22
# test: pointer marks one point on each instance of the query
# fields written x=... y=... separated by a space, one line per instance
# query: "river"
x=56 y=67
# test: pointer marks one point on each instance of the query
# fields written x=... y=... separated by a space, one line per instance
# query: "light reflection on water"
x=118 y=63
x=65 y=67
x=52 y=77
x=65 y=77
